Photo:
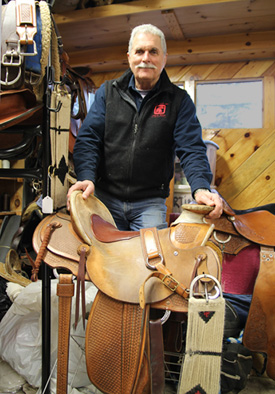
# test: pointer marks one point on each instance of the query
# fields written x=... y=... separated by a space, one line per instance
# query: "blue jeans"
x=134 y=215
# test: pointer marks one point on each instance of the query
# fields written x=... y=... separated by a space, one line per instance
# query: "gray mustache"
x=144 y=65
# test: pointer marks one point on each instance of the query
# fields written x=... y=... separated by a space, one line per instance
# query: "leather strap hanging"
x=65 y=292
x=156 y=357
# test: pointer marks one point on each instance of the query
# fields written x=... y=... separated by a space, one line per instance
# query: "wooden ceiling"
x=197 y=31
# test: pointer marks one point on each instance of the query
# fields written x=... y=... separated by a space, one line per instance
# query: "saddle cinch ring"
x=217 y=286
x=153 y=267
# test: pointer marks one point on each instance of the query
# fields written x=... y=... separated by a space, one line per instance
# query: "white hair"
x=148 y=28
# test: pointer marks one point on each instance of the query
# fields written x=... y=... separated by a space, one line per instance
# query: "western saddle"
x=140 y=272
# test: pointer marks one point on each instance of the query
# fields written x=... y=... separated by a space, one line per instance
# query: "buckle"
x=34 y=53
x=32 y=78
x=8 y=59
x=175 y=282
x=6 y=82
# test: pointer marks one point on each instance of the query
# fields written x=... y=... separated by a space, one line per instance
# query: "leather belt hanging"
x=18 y=31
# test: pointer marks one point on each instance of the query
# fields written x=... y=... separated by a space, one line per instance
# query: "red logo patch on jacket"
x=160 y=110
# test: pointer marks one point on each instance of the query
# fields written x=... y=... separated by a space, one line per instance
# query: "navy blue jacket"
x=127 y=145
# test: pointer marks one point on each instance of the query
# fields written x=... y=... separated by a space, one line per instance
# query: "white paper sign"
x=47 y=205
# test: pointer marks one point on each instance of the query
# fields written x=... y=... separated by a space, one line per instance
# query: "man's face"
x=146 y=60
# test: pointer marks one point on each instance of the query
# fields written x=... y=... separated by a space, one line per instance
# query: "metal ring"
x=216 y=295
x=153 y=267
x=219 y=240
x=206 y=276
x=166 y=316
x=56 y=274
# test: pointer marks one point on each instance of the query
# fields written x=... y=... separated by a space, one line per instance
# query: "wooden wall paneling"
x=177 y=73
x=248 y=171
x=209 y=134
x=269 y=199
x=253 y=69
x=225 y=138
x=258 y=191
x=225 y=71
x=269 y=102
x=270 y=72
x=242 y=149
x=199 y=72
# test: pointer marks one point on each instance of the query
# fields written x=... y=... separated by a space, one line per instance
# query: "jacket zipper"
x=126 y=98
x=131 y=161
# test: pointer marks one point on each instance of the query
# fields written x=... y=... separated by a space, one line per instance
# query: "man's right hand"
x=86 y=186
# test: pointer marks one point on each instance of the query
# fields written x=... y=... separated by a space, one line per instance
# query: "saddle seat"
x=107 y=232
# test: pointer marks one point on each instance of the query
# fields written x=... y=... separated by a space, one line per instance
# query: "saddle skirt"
x=62 y=249
x=256 y=225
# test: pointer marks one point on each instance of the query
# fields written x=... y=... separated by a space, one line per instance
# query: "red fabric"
x=240 y=272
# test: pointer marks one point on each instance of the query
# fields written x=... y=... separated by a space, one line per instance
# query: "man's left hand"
x=212 y=199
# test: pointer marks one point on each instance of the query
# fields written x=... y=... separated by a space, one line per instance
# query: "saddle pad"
x=63 y=245
x=122 y=262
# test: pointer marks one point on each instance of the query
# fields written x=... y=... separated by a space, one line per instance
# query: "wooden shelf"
x=19 y=180
x=7 y=213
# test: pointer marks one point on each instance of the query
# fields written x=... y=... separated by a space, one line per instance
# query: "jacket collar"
x=127 y=80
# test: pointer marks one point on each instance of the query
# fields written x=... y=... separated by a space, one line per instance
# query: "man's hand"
x=212 y=199
x=86 y=186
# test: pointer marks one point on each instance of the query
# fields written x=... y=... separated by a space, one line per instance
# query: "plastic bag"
x=10 y=381
x=20 y=336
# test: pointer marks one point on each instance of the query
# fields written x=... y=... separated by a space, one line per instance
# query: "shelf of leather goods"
x=21 y=173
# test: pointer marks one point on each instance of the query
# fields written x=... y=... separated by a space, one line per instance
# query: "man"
x=126 y=147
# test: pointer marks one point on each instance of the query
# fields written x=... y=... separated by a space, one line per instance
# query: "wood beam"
x=231 y=42
x=257 y=41
x=173 y=24
x=131 y=8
